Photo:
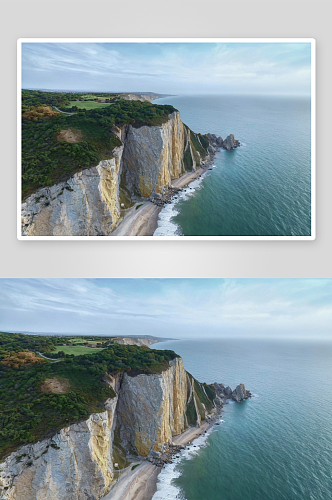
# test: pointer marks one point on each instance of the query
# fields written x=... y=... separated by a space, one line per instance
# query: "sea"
x=262 y=188
x=276 y=445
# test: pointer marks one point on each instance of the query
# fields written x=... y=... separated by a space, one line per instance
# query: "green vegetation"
x=191 y=414
x=204 y=400
x=30 y=411
x=137 y=206
x=201 y=397
x=61 y=99
x=187 y=160
x=87 y=105
x=77 y=350
x=48 y=157
x=199 y=144
x=119 y=454
x=134 y=466
x=204 y=141
x=210 y=391
x=198 y=150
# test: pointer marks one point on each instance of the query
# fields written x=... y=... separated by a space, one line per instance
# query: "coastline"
x=141 y=483
x=144 y=220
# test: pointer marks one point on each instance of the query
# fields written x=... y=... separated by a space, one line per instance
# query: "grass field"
x=77 y=351
x=89 y=104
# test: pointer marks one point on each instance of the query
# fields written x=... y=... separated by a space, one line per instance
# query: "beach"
x=141 y=483
x=143 y=221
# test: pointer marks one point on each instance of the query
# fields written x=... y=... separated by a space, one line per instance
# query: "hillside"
x=49 y=157
x=28 y=413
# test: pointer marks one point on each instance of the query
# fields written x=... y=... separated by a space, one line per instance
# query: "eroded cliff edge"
x=140 y=420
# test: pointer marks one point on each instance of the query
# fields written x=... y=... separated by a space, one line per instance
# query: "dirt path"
x=64 y=112
x=51 y=359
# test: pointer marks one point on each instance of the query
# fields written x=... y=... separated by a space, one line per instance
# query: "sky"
x=174 y=308
x=169 y=68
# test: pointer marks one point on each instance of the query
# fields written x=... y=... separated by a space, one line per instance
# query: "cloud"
x=168 y=67
x=168 y=307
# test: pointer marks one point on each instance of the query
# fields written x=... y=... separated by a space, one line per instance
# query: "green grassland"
x=77 y=350
x=88 y=104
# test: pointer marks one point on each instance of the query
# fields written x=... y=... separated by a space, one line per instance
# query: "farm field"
x=77 y=351
x=88 y=104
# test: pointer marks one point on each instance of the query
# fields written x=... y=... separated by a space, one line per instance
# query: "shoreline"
x=144 y=220
x=141 y=483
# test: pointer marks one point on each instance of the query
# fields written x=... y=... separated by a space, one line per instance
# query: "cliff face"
x=135 y=341
x=153 y=156
x=89 y=203
x=86 y=205
x=152 y=409
x=78 y=461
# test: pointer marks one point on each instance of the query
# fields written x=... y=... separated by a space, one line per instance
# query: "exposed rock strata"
x=153 y=156
x=75 y=464
x=152 y=409
x=85 y=205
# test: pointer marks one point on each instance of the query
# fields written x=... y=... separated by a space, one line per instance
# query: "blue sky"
x=169 y=68
x=177 y=308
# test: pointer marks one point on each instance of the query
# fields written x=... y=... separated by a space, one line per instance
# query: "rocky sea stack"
x=217 y=142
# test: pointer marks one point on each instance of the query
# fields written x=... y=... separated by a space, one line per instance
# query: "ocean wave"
x=166 y=224
x=166 y=490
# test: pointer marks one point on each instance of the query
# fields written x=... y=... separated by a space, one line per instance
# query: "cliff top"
x=48 y=157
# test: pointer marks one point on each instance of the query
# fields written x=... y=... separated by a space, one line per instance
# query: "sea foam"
x=166 y=224
x=166 y=490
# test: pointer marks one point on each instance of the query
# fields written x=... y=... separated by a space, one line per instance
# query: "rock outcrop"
x=218 y=142
x=79 y=462
x=85 y=205
x=152 y=409
x=240 y=393
x=230 y=143
x=153 y=156
x=76 y=463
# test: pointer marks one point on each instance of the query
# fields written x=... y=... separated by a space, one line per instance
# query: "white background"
x=77 y=18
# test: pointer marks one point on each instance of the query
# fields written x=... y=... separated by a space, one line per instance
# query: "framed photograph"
x=166 y=139
x=165 y=389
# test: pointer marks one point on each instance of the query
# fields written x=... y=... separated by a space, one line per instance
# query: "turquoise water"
x=260 y=189
x=275 y=446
